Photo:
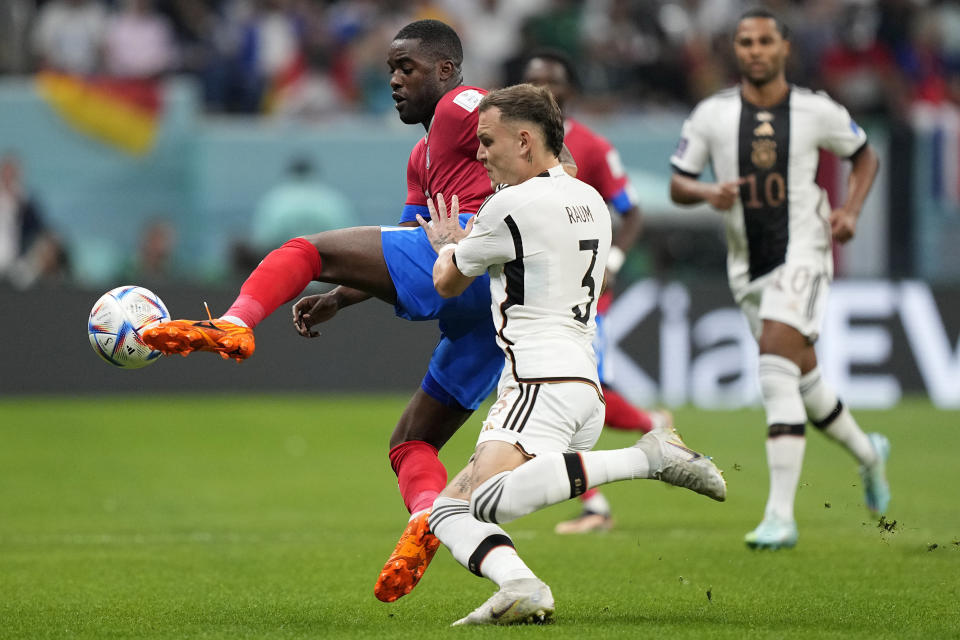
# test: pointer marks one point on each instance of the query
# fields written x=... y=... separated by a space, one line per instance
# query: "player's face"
x=549 y=74
x=500 y=149
x=415 y=81
x=760 y=49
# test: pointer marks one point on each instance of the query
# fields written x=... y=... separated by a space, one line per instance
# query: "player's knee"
x=488 y=502
x=780 y=387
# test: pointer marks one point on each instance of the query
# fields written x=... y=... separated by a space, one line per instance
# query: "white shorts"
x=546 y=417
x=794 y=294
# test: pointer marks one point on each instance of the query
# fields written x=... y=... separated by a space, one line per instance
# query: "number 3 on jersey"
x=588 y=282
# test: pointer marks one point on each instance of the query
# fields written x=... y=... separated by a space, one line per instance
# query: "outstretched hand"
x=444 y=228
x=312 y=310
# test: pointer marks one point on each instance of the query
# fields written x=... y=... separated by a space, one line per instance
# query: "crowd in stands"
x=320 y=59
x=315 y=58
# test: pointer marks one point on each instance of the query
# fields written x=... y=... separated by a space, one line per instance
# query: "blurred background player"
x=29 y=250
x=393 y=264
x=67 y=35
x=762 y=139
x=544 y=241
x=599 y=165
x=299 y=204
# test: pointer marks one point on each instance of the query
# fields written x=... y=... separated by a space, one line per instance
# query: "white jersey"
x=545 y=243
x=781 y=215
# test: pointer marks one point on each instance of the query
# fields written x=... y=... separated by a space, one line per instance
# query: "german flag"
x=284 y=83
x=123 y=113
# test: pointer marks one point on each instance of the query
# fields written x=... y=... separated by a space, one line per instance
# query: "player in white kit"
x=544 y=241
x=762 y=140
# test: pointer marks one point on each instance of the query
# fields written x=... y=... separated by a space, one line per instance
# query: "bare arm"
x=447 y=278
x=312 y=310
x=843 y=220
x=444 y=232
x=630 y=225
x=719 y=195
x=347 y=296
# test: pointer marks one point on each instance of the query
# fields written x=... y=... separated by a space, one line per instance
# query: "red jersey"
x=599 y=165
x=445 y=160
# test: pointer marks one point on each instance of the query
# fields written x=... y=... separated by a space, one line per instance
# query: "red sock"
x=623 y=415
x=589 y=493
x=420 y=474
x=284 y=273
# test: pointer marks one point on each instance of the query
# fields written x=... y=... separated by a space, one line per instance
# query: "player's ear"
x=446 y=70
x=524 y=141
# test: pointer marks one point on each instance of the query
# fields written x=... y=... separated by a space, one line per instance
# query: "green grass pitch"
x=270 y=516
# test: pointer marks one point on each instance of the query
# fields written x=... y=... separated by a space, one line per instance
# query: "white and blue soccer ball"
x=116 y=322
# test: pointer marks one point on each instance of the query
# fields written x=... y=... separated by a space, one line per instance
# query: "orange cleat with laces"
x=408 y=561
x=186 y=336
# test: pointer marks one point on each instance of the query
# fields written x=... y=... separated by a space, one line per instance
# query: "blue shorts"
x=600 y=348
x=466 y=363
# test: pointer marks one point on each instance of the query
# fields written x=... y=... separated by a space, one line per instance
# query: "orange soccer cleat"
x=408 y=561
x=185 y=336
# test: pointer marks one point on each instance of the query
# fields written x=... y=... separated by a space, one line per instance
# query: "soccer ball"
x=116 y=321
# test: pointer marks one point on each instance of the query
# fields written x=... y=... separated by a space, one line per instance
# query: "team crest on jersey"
x=764 y=154
x=765 y=129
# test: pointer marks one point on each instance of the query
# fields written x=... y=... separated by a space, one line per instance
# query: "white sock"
x=780 y=387
x=551 y=478
x=597 y=503
x=611 y=465
x=786 y=420
x=483 y=548
x=416 y=514
x=785 y=459
x=830 y=415
x=234 y=320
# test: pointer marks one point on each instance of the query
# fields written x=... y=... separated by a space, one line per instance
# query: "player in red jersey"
x=394 y=264
x=598 y=164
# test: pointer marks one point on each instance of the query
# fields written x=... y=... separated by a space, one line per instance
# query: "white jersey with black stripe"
x=544 y=243
x=782 y=214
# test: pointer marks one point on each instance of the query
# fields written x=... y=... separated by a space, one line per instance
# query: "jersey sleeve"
x=839 y=132
x=489 y=242
x=612 y=181
x=693 y=149
x=416 y=194
x=617 y=188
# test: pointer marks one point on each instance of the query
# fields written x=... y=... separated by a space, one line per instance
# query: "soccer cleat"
x=773 y=533
x=674 y=463
x=409 y=560
x=586 y=522
x=517 y=602
x=186 y=336
x=875 y=486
